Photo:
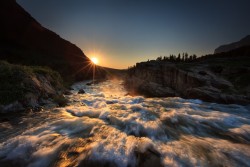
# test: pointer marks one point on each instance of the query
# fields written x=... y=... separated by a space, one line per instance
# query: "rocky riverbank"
x=219 y=79
x=24 y=87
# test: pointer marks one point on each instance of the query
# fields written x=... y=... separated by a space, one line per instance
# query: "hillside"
x=25 y=41
x=228 y=47
x=28 y=87
x=36 y=63
x=221 y=78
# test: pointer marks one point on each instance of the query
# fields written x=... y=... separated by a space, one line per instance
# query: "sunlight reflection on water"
x=105 y=126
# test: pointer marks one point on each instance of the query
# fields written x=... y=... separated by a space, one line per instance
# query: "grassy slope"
x=15 y=80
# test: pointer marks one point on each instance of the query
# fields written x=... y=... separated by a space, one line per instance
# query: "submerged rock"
x=81 y=91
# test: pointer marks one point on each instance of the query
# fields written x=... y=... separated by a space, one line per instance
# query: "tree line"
x=184 y=57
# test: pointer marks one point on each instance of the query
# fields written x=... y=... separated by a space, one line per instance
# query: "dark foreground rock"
x=81 y=91
x=221 y=80
x=148 y=158
x=23 y=87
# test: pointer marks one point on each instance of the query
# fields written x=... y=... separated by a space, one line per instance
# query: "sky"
x=122 y=32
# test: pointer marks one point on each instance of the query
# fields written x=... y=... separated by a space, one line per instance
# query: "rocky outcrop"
x=23 y=87
x=197 y=80
x=225 y=48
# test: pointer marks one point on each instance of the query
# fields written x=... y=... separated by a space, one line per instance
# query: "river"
x=107 y=127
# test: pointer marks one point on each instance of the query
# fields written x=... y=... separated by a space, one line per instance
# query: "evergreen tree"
x=179 y=58
x=186 y=56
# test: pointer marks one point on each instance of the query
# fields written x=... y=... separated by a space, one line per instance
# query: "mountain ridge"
x=228 y=47
x=25 y=41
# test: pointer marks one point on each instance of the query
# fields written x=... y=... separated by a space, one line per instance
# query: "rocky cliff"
x=219 y=79
x=24 y=41
x=225 y=48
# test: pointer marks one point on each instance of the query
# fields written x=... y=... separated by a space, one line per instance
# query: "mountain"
x=25 y=41
x=225 y=48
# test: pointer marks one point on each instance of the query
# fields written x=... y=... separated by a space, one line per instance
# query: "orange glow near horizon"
x=94 y=60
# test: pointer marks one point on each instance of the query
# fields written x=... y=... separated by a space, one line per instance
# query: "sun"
x=94 y=60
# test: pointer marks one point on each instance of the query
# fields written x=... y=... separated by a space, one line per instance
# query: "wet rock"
x=89 y=83
x=81 y=91
x=96 y=163
x=151 y=89
x=12 y=107
x=211 y=94
x=150 y=158
x=202 y=72
x=67 y=92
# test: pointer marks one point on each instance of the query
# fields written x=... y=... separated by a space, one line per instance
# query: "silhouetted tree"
x=178 y=58
x=159 y=58
x=194 y=57
x=186 y=56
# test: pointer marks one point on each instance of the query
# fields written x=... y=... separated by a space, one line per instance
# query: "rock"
x=193 y=80
x=202 y=72
x=13 y=107
x=26 y=87
x=31 y=100
x=151 y=89
x=81 y=91
x=67 y=92
x=202 y=93
x=91 y=83
x=149 y=158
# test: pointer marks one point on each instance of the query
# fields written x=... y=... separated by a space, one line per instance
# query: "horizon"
x=121 y=33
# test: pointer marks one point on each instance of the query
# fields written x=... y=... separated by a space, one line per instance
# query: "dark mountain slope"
x=225 y=48
x=24 y=41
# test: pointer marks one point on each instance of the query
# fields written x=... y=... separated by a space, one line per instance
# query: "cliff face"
x=24 y=41
x=209 y=80
x=225 y=48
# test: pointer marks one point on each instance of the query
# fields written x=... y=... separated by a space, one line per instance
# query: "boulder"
x=81 y=91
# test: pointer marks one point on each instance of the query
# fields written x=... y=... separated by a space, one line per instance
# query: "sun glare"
x=94 y=60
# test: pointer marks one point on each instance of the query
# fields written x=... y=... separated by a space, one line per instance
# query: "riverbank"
x=29 y=88
x=222 y=78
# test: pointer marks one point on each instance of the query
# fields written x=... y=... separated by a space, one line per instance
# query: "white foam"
x=106 y=126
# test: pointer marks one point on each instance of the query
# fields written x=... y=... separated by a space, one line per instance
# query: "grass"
x=47 y=71
x=16 y=81
x=11 y=85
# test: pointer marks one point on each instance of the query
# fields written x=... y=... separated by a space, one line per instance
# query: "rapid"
x=107 y=127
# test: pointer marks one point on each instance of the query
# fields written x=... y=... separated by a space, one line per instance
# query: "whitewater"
x=107 y=127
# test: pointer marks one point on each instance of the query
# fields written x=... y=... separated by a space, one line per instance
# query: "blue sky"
x=122 y=32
